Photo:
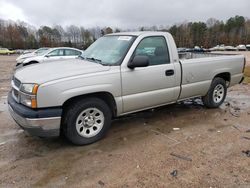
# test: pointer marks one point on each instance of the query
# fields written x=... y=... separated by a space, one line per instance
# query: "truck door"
x=146 y=87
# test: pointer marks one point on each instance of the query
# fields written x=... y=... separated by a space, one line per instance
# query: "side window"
x=61 y=53
x=58 y=52
x=78 y=53
x=155 y=48
x=54 y=53
x=69 y=52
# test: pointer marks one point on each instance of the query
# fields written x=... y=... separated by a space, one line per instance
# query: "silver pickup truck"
x=119 y=74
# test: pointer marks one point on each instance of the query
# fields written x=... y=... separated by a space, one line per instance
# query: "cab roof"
x=138 y=33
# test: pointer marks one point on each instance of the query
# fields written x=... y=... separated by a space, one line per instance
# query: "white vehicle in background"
x=248 y=47
x=218 y=48
x=230 y=48
x=53 y=54
x=28 y=51
x=24 y=56
x=241 y=47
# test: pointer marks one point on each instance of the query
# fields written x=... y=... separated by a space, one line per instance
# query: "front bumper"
x=39 y=122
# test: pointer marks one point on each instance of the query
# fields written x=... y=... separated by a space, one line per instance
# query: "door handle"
x=169 y=72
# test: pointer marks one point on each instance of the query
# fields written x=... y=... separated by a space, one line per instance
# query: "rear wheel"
x=216 y=94
x=87 y=121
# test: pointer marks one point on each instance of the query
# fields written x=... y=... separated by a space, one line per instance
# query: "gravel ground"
x=140 y=150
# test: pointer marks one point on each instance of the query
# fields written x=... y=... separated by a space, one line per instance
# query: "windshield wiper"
x=95 y=60
x=80 y=57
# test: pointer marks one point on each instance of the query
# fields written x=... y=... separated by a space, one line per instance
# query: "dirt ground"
x=140 y=150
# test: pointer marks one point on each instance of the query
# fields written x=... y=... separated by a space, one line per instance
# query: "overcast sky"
x=120 y=13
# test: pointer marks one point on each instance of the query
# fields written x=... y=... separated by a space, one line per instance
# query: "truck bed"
x=199 y=69
x=195 y=55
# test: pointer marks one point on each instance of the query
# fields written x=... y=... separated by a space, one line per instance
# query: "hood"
x=33 y=58
x=23 y=56
x=45 y=72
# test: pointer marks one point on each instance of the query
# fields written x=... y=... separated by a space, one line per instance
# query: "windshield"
x=109 y=50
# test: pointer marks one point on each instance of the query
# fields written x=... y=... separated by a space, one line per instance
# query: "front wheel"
x=87 y=121
x=216 y=94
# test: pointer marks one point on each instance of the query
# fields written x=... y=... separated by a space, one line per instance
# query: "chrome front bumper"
x=42 y=127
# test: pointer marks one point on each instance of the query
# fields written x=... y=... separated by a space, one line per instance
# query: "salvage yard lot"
x=140 y=150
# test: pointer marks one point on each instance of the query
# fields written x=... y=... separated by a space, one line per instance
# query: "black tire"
x=73 y=112
x=209 y=100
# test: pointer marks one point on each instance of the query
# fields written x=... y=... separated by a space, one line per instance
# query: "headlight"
x=20 y=60
x=27 y=100
x=29 y=88
x=28 y=95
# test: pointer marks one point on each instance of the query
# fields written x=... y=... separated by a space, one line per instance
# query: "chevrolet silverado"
x=119 y=74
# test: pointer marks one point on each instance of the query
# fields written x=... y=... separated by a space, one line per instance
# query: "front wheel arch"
x=105 y=96
x=30 y=63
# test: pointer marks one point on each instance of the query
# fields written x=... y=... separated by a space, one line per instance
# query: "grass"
x=247 y=75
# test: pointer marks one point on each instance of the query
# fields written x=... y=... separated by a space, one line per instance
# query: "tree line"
x=21 y=35
x=235 y=31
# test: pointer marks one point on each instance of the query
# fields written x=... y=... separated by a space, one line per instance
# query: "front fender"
x=68 y=94
x=55 y=93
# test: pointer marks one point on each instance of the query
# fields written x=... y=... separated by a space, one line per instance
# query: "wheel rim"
x=218 y=93
x=89 y=122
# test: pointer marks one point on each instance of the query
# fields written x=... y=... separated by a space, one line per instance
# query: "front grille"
x=15 y=89
x=17 y=82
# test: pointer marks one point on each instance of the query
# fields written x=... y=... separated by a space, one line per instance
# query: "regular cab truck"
x=119 y=74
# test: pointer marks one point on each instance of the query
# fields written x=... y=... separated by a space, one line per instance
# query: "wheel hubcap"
x=89 y=122
x=218 y=93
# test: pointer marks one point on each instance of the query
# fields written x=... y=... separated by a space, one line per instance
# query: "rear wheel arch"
x=225 y=76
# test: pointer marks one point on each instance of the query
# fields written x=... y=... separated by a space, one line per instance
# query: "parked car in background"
x=28 y=51
x=230 y=48
x=248 y=47
x=218 y=48
x=241 y=47
x=50 y=55
x=215 y=48
x=6 y=51
x=195 y=49
x=183 y=50
x=24 y=56
x=199 y=49
x=19 y=51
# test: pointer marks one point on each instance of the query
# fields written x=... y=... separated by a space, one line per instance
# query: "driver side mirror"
x=139 y=61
